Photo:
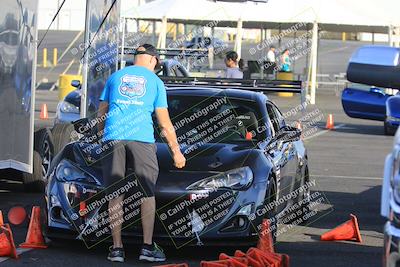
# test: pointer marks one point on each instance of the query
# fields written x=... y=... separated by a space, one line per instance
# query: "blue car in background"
x=377 y=66
x=373 y=104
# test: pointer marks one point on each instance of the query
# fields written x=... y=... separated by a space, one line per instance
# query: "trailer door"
x=18 y=35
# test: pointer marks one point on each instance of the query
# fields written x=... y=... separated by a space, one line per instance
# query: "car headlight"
x=67 y=107
x=66 y=172
x=236 y=179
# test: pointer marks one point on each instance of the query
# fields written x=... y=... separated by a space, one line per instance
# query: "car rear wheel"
x=270 y=197
x=44 y=146
x=62 y=135
x=33 y=182
x=305 y=197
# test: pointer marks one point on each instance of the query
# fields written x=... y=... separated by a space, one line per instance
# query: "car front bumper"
x=391 y=252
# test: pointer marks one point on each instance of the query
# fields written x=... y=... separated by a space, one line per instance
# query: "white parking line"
x=346 y=177
x=19 y=252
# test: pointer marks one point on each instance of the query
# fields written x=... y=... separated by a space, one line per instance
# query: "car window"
x=279 y=117
x=272 y=118
x=215 y=119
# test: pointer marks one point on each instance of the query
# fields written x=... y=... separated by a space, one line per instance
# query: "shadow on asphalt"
x=329 y=254
x=345 y=203
x=361 y=129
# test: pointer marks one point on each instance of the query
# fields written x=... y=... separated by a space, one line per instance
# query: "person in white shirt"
x=234 y=66
x=271 y=54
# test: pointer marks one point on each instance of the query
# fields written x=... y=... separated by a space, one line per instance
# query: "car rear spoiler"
x=257 y=85
x=173 y=52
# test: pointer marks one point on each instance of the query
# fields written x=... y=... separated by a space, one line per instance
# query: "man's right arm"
x=103 y=109
x=168 y=131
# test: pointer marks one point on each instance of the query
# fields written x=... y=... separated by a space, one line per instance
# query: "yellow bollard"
x=44 y=57
x=286 y=76
x=55 y=57
x=343 y=36
x=64 y=84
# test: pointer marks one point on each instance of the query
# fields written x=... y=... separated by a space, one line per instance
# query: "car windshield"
x=215 y=119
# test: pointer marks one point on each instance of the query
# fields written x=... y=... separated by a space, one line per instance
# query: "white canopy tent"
x=332 y=15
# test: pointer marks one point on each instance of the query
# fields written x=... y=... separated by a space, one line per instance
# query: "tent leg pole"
x=390 y=35
x=314 y=57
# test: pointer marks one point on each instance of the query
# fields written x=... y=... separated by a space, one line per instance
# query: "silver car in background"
x=390 y=206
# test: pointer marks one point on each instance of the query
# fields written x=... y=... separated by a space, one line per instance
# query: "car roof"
x=207 y=91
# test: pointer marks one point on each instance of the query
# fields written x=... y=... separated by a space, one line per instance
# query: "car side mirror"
x=289 y=134
x=76 y=83
x=377 y=91
x=376 y=66
x=285 y=135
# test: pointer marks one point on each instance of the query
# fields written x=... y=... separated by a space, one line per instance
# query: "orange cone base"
x=355 y=222
x=26 y=245
x=34 y=238
x=1 y=219
x=174 y=265
x=347 y=231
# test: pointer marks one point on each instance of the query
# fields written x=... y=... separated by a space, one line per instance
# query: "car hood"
x=205 y=161
x=74 y=98
x=216 y=157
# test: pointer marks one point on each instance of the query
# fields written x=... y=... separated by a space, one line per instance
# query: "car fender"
x=393 y=106
x=385 y=195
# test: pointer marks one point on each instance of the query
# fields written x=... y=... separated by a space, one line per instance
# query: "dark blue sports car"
x=377 y=65
x=244 y=164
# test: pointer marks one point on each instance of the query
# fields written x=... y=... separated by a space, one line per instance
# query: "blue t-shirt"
x=133 y=94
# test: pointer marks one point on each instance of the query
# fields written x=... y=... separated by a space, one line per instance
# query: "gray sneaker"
x=157 y=254
x=116 y=254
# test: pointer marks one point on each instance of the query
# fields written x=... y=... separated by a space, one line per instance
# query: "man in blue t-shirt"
x=130 y=97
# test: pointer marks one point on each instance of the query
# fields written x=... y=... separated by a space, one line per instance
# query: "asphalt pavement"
x=346 y=164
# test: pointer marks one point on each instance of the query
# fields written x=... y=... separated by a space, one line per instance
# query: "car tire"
x=33 y=182
x=305 y=197
x=388 y=130
x=62 y=135
x=44 y=214
x=44 y=145
x=270 y=196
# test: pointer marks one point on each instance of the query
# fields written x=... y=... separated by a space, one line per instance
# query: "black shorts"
x=122 y=156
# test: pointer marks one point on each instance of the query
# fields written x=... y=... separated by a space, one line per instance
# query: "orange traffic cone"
x=235 y=261
x=251 y=261
x=214 y=264
x=44 y=115
x=1 y=219
x=329 y=122
x=265 y=242
x=34 y=238
x=16 y=215
x=346 y=231
x=7 y=246
x=174 y=265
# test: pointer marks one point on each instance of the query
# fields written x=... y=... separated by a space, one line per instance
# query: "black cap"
x=148 y=49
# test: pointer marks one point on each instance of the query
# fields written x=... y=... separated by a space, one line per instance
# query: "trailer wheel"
x=33 y=182
x=62 y=135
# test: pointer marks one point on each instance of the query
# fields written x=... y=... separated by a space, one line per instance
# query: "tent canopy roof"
x=332 y=15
